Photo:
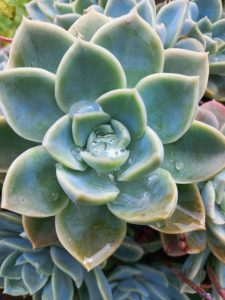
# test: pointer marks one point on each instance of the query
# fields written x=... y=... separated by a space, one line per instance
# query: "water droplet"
x=83 y=107
x=179 y=166
x=54 y=196
x=113 y=141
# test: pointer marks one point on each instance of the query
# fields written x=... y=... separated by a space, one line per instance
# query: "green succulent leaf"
x=16 y=244
x=189 y=214
x=28 y=113
x=31 y=187
x=11 y=145
x=88 y=24
x=217 y=109
x=81 y=5
x=207 y=117
x=175 y=94
x=86 y=72
x=188 y=63
x=15 y=287
x=10 y=222
x=122 y=37
x=129 y=251
x=132 y=111
x=117 y=8
x=218 y=29
x=90 y=233
x=218 y=231
x=172 y=16
x=36 y=12
x=86 y=187
x=146 y=154
x=216 y=88
x=146 y=10
x=215 y=245
x=32 y=279
x=40 y=231
x=147 y=200
x=190 y=44
x=40 y=260
x=62 y=285
x=67 y=264
x=33 y=40
x=59 y=143
x=9 y=269
x=211 y=8
x=188 y=166
x=103 y=285
x=66 y=21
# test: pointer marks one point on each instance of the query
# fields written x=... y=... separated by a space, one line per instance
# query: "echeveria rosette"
x=103 y=117
x=46 y=273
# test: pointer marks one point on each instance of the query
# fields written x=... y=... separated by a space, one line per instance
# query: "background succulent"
x=45 y=273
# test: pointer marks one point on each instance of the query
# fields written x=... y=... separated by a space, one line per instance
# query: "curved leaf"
x=215 y=245
x=86 y=187
x=207 y=117
x=40 y=260
x=172 y=16
x=175 y=94
x=190 y=44
x=9 y=269
x=216 y=88
x=101 y=72
x=103 y=284
x=33 y=280
x=90 y=233
x=189 y=214
x=31 y=187
x=146 y=154
x=147 y=200
x=40 y=231
x=117 y=8
x=62 y=285
x=190 y=159
x=66 y=21
x=28 y=112
x=132 y=111
x=11 y=145
x=123 y=36
x=59 y=143
x=146 y=10
x=129 y=251
x=188 y=63
x=211 y=8
x=217 y=109
x=15 y=287
x=33 y=44
x=88 y=24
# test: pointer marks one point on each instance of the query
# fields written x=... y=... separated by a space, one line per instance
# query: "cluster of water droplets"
x=84 y=106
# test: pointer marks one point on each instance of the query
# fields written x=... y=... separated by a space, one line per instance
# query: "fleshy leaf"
x=146 y=11
x=189 y=214
x=211 y=8
x=117 y=8
x=36 y=13
x=40 y=260
x=40 y=231
x=66 y=21
x=8 y=267
x=100 y=70
x=175 y=94
x=33 y=45
x=66 y=263
x=188 y=63
x=215 y=245
x=86 y=187
x=62 y=285
x=11 y=145
x=59 y=143
x=103 y=284
x=90 y=233
x=131 y=110
x=33 y=280
x=15 y=287
x=216 y=88
x=81 y=5
x=172 y=16
x=218 y=231
x=207 y=117
x=190 y=44
x=123 y=36
x=217 y=109
x=186 y=165
x=28 y=112
x=31 y=187
x=146 y=154
x=88 y=24
x=129 y=251
x=146 y=200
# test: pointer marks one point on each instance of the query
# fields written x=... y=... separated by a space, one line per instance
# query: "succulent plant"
x=120 y=147
x=45 y=273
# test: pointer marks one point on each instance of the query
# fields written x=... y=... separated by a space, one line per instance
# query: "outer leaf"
x=86 y=187
x=31 y=187
x=11 y=145
x=215 y=87
x=217 y=109
x=90 y=233
x=103 y=284
x=123 y=36
x=28 y=112
x=186 y=165
x=59 y=143
x=207 y=117
x=146 y=10
x=146 y=154
x=88 y=24
x=81 y=5
x=66 y=263
x=32 y=279
x=33 y=44
x=40 y=231
x=15 y=287
x=117 y=8
x=129 y=251
x=8 y=267
x=172 y=16
x=132 y=111
x=190 y=44
x=189 y=214
x=47 y=292
x=101 y=72
x=62 y=285
x=40 y=260
x=215 y=245
x=66 y=21
x=147 y=200
x=175 y=94
x=211 y=8
x=188 y=63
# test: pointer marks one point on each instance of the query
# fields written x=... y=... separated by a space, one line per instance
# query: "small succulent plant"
x=111 y=137
x=45 y=273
